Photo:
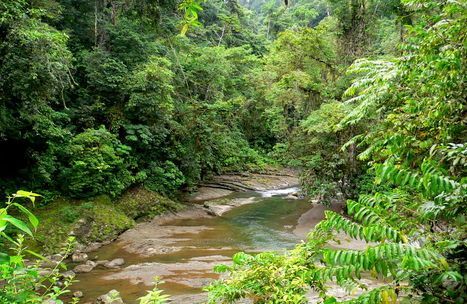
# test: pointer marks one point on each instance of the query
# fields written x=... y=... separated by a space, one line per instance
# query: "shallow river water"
x=193 y=246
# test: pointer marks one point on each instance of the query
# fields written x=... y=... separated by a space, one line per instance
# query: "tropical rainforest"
x=365 y=98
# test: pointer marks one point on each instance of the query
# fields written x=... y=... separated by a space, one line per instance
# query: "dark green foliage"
x=96 y=97
x=164 y=178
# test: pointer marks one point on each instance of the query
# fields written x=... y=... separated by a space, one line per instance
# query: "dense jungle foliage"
x=365 y=97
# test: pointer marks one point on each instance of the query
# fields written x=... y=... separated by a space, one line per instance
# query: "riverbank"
x=100 y=220
x=96 y=221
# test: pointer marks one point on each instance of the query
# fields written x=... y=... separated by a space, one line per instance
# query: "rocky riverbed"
x=182 y=248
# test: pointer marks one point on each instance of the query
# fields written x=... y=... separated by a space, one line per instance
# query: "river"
x=183 y=249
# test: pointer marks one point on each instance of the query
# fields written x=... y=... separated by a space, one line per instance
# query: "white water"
x=279 y=192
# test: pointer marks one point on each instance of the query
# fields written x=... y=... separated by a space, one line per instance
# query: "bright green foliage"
x=155 y=296
x=150 y=100
x=191 y=8
x=370 y=90
x=6 y=219
x=70 y=70
x=95 y=162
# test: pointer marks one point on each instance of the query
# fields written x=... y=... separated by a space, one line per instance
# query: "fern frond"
x=362 y=214
x=381 y=295
x=340 y=273
x=383 y=258
x=431 y=184
x=371 y=233
x=370 y=89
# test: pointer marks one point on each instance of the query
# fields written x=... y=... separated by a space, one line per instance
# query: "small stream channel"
x=194 y=245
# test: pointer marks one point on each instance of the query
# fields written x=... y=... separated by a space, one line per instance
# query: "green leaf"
x=32 y=218
x=330 y=300
x=4 y=258
x=37 y=255
x=30 y=195
x=17 y=223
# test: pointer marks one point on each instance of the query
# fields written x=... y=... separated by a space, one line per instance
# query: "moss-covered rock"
x=95 y=220
x=140 y=202
x=103 y=221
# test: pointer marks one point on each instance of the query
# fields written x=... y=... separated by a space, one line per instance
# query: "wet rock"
x=68 y=274
x=219 y=207
x=101 y=262
x=45 y=272
x=292 y=196
x=217 y=210
x=80 y=247
x=56 y=257
x=79 y=257
x=116 y=263
x=112 y=297
x=49 y=263
x=92 y=247
x=315 y=200
x=87 y=267
x=78 y=294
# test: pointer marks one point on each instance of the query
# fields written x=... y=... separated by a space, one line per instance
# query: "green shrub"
x=164 y=178
x=95 y=162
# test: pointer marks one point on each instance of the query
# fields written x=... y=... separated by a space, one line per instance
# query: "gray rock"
x=79 y=257
x=293 y=196
x=80 y=247
x=102 y=262
x=49 y=263
x=68 y=274
x=112 y=297
x=116 y=263
x=56 y=257
x=78 y=294
x=87 y=267
x=92 y=247
x=45 y=272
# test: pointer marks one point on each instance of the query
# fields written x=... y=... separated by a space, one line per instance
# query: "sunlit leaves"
x=190 y=9
x=6 y=219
